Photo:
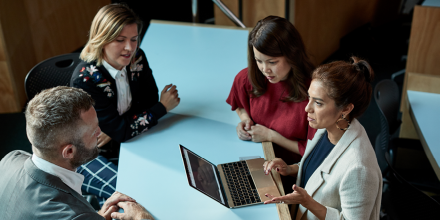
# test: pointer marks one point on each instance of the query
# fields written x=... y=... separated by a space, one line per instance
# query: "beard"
x=83 y=154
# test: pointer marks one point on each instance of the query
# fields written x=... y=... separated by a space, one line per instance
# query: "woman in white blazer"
x=338 y=176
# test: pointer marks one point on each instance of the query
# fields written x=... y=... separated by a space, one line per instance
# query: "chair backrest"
x=386 y=95
x=406 y=201
x=55 y=71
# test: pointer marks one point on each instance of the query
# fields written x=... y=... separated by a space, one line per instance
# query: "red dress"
x=287 y=118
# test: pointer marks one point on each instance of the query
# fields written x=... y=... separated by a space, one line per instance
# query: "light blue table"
x=431 y=3
x=424 y=110
x=202 y=62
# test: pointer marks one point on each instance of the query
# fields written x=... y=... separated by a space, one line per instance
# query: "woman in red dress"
x=271 y=94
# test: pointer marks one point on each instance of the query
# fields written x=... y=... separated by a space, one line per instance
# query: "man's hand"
x=103 y=139
x=169 y=97
x=132 y=211
x=242 y=129
x=110 y=205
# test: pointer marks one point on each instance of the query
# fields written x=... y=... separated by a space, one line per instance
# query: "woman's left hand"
x=299 y=196
x=103 y=139
x=260 y=133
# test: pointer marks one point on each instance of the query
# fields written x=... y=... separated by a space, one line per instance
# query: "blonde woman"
x=115 y=72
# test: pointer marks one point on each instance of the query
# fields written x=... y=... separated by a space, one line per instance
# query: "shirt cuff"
x=158 y=110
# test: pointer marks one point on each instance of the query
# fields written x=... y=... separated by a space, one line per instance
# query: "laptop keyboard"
x=240 y=183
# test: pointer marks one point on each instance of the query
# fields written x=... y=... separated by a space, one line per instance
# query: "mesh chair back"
x=55 y=71
x=406 y=201
x=386 y=95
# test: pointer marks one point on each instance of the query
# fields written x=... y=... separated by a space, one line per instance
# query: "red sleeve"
x=239 y=96
x=302 y=144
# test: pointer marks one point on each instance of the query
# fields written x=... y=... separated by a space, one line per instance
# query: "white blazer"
x=348 y=182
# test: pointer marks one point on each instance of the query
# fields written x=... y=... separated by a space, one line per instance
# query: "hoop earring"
x=340 y=119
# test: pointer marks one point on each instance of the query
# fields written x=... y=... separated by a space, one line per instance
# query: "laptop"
x=235 y=184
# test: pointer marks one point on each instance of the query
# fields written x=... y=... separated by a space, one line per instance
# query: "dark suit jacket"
x=145 y=108
x=27 y=192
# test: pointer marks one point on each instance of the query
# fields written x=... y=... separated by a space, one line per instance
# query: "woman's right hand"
x=280 y=166
x=242 y=129
x=169 y=97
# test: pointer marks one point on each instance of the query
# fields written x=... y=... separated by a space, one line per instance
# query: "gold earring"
x=340 y=119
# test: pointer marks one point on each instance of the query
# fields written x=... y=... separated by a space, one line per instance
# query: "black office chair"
x=386 y=95
x=55 y=71
x=404 y=201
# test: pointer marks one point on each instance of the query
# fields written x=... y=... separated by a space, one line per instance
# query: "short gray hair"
x=53 y=116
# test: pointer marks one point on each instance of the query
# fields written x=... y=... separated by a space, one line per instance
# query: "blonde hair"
x=106 y=27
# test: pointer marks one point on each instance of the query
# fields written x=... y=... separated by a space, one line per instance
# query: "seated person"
x=62 y=126
x=338 y=177
x=270 y=94
x=117 y=76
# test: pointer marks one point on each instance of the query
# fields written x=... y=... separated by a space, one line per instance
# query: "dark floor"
x=13 y=133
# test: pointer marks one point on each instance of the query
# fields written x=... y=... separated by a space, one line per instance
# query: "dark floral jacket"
x=145 y=108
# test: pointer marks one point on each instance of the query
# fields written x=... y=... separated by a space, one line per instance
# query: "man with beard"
x=62 y=126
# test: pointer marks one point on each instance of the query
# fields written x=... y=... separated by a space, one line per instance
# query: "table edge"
x=269 y=154
x=428 y=152
x=153 y=21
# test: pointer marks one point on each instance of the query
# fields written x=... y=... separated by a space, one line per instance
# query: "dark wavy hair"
x=275 y=36
x=347 y=82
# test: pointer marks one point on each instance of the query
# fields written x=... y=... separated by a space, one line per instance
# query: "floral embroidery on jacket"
x=93 y=74
x=136 y=67
x=140 y=120
x=107 y=89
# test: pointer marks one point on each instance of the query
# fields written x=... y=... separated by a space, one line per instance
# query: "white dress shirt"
x=72 y=179
x=124 y=94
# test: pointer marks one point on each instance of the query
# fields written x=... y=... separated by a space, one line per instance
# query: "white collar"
x=115 y=73
x=72 y=179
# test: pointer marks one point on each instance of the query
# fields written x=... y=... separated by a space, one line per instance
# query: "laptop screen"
x=202 y=175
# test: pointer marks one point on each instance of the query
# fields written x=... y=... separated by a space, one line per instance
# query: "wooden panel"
x=323 y=23
x=422 y=83
x=2 y=49
x=424 y=46
x=255 y=10
x=18 y=49
x=269 y=154
x=220 y=17
x=42 y=29
x=7 y=98
x=60 y=27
